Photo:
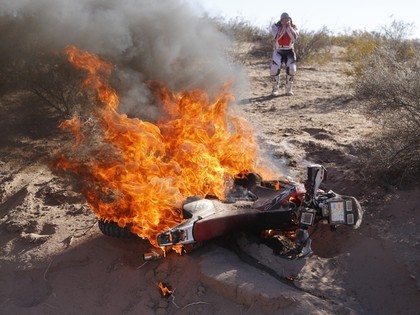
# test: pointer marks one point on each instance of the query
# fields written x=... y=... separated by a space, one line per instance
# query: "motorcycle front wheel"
x=112 y=229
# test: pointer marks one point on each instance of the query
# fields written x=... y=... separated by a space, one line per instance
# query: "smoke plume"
x=145 y=39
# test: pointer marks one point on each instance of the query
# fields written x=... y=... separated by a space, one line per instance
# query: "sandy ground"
x=54 y=259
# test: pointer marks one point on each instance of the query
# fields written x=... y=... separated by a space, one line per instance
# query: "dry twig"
x=185 y=306
x=46 y=270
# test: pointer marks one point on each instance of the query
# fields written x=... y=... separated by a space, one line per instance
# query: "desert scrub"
x=28 y=66
x=389 y=91
x=314 y=46
x=359 y=47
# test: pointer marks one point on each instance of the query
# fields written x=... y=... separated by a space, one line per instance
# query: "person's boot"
x=289 y=85
x=276 y=86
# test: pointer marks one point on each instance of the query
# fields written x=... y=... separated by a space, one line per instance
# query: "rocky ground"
x=54 y=259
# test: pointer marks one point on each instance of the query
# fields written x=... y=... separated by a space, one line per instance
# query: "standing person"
x=285 y=34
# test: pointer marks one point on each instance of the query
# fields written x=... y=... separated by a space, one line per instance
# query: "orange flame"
x=166 y=291
x=142 y=172
x=74 y=125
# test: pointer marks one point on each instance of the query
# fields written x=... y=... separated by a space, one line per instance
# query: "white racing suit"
x=283 y=53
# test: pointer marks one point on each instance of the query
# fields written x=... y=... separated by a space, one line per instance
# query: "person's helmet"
x=285 y=16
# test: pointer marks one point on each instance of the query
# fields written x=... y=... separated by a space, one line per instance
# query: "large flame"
x=141 y=172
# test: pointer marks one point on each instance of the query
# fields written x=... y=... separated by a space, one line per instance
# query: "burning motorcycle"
x=269 y=207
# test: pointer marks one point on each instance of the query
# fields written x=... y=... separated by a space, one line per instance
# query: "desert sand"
x=54 y=259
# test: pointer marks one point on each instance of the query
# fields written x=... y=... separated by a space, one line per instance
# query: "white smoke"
x=145 y=39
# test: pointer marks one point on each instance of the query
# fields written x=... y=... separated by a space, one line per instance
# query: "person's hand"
x=285 y=22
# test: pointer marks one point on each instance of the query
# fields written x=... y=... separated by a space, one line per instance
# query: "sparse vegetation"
x=314 y=46
x=359 y=46
x=52 y=80
x=241 y=30
x=32 y=67
x=389 y=86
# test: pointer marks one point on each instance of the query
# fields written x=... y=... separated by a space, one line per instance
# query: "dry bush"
x=27 y=65
x=249 y=41
x=358 y=45
x=361 y=45
x=389 y=86
x=240 y=30
x=359 y=48
x=54 y=81
x=313 y=46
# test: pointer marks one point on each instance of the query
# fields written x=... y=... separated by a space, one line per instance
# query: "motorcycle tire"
x=112 y=229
